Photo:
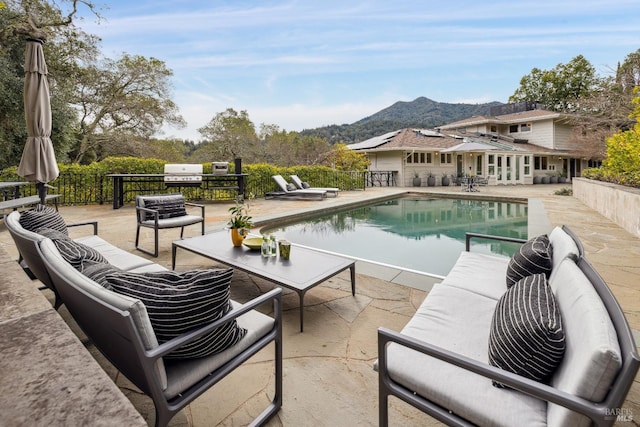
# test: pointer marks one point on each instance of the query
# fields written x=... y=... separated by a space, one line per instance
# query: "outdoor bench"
x=27 y=201
x=439 y=362
x=120 y=325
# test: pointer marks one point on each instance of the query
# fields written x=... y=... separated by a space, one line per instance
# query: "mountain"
x=419 y=113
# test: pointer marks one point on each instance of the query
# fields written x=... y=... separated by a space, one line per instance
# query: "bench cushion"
x=182 y=374
x=563 y=246
x=592 y=357
x=477 y=272
x=533 y=257
x=75 y=253
x=42 y=216
x=526 y=331
x=118 y=257
x=180 y=302
x=440 y=321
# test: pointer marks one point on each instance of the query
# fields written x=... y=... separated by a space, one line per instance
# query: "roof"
x=431 y=140
x=413 y=139
x=531 y=115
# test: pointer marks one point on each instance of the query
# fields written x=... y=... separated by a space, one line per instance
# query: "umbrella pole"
x=42 y=192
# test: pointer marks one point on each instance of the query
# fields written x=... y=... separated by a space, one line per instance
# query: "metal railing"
x=83 y=189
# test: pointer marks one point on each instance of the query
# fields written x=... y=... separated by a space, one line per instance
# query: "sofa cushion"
x=75 y=253
x=563 y=246
x=526 y=335
x=42 y=216
x=115 y=256
x=479 y=273
x=440 y=321
x=170 y=206
x=180 y=302
x=592 y=358
x=532 y=257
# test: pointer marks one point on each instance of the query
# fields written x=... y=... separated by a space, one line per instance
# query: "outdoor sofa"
x=472 y=355
x=97 y=282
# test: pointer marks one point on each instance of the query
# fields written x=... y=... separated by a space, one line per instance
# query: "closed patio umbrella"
x=38 y=162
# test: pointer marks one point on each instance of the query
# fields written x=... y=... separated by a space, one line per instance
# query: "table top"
x=7 y=184
x=305 y=268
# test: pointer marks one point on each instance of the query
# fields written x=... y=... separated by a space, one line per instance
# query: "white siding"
x=562 y=137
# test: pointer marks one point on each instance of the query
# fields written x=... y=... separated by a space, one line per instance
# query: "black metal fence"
x=84 y=189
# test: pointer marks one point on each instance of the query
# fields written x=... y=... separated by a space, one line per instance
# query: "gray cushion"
x=42 y=216
x=305 y=184
x=563 y=246
x=532 y=257
x=440 y=321
x=592 y=358
x=291 y=187
x=479 y=273
x=97 y=272
x=170 y=206
x=180 y=302
x=526 y=335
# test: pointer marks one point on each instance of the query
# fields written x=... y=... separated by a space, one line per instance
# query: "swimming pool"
x=419 y=233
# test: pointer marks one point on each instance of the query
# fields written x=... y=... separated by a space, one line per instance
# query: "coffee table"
x=305 y=269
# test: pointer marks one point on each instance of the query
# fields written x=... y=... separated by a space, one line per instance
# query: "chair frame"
x=159 y=223
x=115 y=335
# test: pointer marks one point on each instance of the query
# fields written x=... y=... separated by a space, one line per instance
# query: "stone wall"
x=618 y=203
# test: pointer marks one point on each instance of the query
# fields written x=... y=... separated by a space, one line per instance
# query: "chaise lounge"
x=288 y=190
x=302 y=185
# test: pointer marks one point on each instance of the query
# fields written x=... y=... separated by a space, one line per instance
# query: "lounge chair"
x=288 y=190
x=301 y=185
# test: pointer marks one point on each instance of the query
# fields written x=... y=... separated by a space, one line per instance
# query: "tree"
x=229 y=135
x=65 y=45
x=284 y=148
x=125 y=97
x=561 y=88
x=342 y=157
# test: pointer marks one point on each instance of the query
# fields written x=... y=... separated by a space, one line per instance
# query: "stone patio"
x=328 y=375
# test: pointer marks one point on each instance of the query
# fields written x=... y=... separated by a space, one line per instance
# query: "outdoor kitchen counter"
x=209 y=181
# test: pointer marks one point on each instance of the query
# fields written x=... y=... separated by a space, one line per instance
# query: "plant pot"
x=553 y=180
x=431 y=181
x=537 y=179
x=562 y=180
x=417 y=182
x=544 y=180
x=446 y=181
x=237 y=236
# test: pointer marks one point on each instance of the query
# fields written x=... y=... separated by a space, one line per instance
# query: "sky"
x=306 y=64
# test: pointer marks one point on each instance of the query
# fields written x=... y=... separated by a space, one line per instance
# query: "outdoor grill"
x=183 y=175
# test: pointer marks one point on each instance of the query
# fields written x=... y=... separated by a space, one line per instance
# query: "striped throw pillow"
x=42 y=216
x=179 y=302
x=77 y=254
x=533 y=257
x=167 y=206
x=526 y=335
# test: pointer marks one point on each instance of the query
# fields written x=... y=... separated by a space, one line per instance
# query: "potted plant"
x=553 y=178
x=240 y=221
x=445 y=180
x=431 y=180
x=417 y=181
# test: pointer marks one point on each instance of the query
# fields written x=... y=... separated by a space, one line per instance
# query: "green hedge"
x=89 y=184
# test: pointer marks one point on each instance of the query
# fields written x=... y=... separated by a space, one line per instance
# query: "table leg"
x=301 y=296
x=353 y=279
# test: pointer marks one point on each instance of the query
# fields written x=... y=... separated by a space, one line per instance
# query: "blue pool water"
x=417 y=233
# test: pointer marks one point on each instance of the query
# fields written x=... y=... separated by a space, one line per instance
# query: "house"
x=516 y=144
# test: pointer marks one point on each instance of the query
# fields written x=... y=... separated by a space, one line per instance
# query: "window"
x=527 y=165
x=522 y=127
x=446 y=158
x=493 y=129
x=540 y=163
x=491 y=164
x=419 y=158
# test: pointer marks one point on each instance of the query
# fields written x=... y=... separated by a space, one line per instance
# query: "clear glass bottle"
x=273 y=246
x=264 y=248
